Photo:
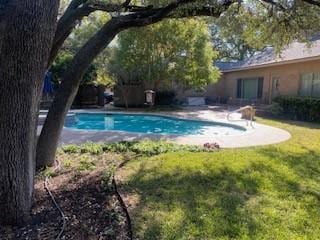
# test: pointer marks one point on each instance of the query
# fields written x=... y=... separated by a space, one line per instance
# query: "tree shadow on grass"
x=202 y=205
x=305 y=188
x=305 y=165
x=223 y=203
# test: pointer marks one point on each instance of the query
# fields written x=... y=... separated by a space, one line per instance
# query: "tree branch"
x=312 y=2
x=276 y=4
x=76 y=11
x=201 y=11
x=138 y=16
x=178 y=9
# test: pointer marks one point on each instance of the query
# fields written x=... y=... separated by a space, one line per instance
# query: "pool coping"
x=259 y=135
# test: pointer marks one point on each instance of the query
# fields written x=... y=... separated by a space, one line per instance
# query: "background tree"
x=259 y=24
x=85 y=29
x=61 y=64
x=228 y=40
x=169 y=53
x=248 y=28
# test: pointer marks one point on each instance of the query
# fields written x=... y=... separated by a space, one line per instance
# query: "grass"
x=270 y=192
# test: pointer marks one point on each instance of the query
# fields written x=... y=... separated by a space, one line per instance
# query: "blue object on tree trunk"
x=48 y=86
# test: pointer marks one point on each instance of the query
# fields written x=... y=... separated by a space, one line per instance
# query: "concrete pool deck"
x=259 y=135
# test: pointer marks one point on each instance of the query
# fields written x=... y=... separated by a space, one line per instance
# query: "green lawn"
x=270 y=192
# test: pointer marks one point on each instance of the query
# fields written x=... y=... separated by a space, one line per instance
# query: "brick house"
x=295 y=72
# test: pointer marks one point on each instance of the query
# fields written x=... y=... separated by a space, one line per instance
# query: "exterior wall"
x=288 y=75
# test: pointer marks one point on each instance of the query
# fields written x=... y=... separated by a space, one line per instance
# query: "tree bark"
x=65 y=26
x=49 y=137
x=27 y=33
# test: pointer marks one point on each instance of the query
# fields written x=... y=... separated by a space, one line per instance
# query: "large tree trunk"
x=49 y=137
x=27 y=29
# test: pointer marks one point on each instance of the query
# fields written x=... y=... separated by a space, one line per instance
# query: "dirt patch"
x=91 y=208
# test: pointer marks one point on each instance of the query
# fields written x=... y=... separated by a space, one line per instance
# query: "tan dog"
x=248 y=113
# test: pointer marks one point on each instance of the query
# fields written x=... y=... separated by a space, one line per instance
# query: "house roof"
x=296 y=51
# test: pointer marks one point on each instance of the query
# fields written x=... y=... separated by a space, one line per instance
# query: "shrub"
x=86 y=164
x=107 y=177
x=88 y=147
x=275 y=109
x=92 y=148
x=118 y=147
x=71 y=149
x=165 y=97
x=299 y=108
x=150 y=148
x=147 y=148
x=63 y=61
x=67 y=163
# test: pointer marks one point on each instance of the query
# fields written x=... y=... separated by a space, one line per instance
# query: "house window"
x=310 y=85
x=250 y=88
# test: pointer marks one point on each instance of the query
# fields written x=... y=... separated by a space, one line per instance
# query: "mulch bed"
x=92 y=211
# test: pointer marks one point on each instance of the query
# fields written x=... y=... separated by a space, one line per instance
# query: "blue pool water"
x=144 y=123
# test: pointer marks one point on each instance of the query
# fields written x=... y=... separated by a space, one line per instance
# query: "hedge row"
x=299 y=108
x=145 y=147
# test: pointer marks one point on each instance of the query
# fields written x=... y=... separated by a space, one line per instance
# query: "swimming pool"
x=149 y=124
